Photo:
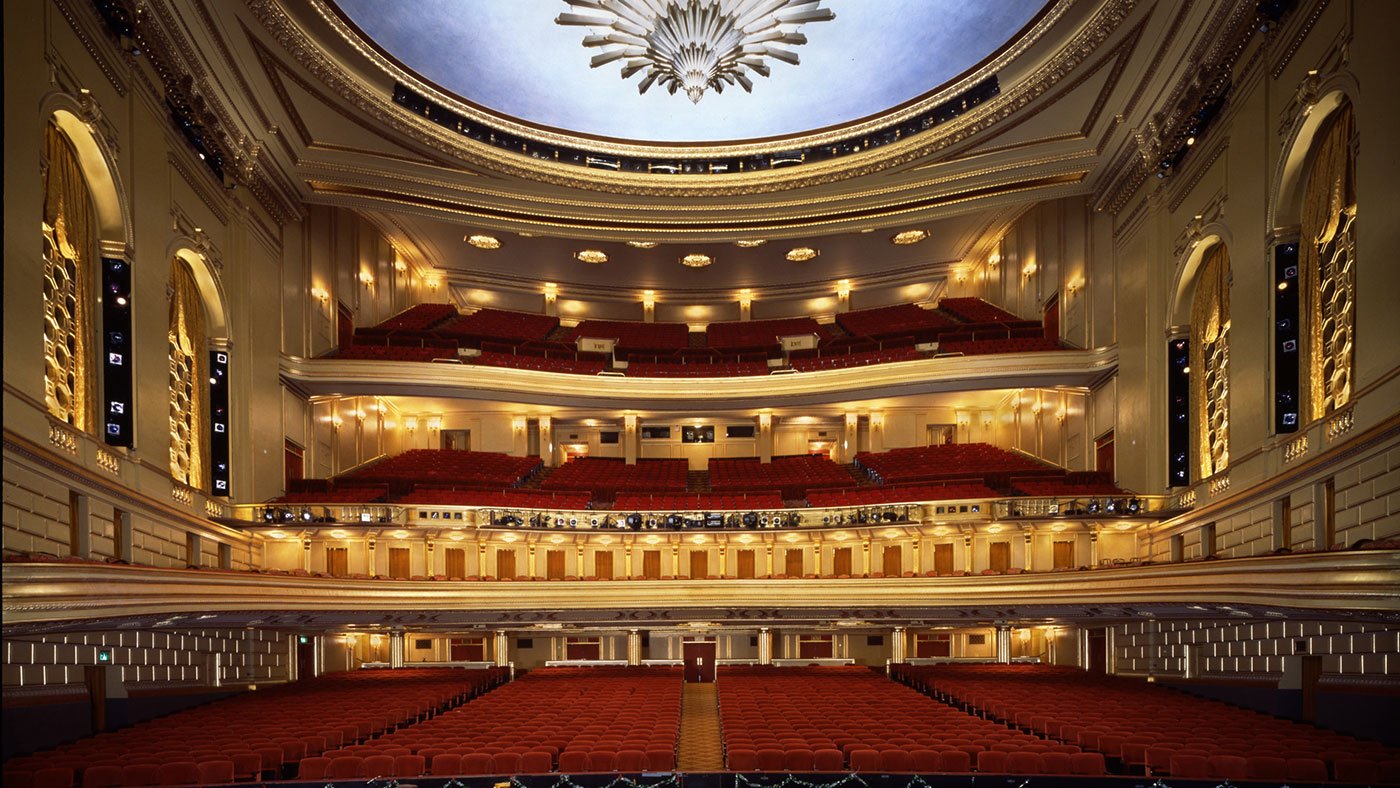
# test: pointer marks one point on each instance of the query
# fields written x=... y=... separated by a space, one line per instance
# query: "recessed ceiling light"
x=802 y=254
x=696 y=260
x=908 y=237
x=642 y=244
x=594 y=256
x=484 y=241
x=750 y=243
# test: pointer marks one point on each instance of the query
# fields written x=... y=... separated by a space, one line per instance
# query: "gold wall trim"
x=1361 y=581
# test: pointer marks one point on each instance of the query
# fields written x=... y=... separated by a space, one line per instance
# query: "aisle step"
x=702 y=749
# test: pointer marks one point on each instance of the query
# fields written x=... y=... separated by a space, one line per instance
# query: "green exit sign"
x=303 y=639
x=104 y=656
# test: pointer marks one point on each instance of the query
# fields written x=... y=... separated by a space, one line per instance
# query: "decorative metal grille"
x=1218 y=399
x=182 y=418
x=62 y=332
x=1336 y=299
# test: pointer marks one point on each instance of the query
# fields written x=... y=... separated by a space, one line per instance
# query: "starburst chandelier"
x=694 y=45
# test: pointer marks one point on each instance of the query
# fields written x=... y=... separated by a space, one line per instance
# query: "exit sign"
x=104 y=656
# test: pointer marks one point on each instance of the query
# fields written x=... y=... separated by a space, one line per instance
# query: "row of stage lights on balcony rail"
x=277 y=515
x=1093 y=507
x=678 y=521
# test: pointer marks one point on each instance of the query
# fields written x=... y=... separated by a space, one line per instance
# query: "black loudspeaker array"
x=218 y=422
x=116 y=352
x=1286 y=338
x=1178 y=412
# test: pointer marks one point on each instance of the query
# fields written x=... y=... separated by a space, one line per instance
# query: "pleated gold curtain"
x=189 y=378
x=1331 y=192
x=70 y=246
x=1210 y=321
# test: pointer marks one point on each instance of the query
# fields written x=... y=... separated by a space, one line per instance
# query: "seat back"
x=409 y=765
x=216 y=772
x=446 y=765
x=1086 y=763
x=1231 y=767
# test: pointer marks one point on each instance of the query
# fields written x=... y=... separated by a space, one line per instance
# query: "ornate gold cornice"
x=1360 y=583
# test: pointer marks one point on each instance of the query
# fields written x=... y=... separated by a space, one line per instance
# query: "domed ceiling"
x=515 y=59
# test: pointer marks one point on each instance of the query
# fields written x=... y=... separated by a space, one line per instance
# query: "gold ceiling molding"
x=672 y=226
x=1362 y=582
x=1083 y=43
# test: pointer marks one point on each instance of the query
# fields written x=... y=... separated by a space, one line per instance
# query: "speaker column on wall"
x=1286 y=338
x=218 y=422
x=116 y=352
x=1178 y=412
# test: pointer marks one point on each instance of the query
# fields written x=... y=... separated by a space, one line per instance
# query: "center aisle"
x=701 y=749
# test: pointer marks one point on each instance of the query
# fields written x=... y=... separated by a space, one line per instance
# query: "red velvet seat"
x=898 y=761
x=992 y=761
x=1023 y=763
x=176 y=773
x=742 y=760
x=602 y=761
x=1056 y=763
x=661 y=759
x=409 y=765
x=799 y=760
x=477 y=763
x=573 y=761
x=104 y=776
x=1190 y=767
x=1231 y=767
x=1086 y=763
x=955 y=761
x=53 y=777
x=216 y=772
x=865 y=760
x=924 y=760
x=378 y=766
x=346 y=767
x=1308 y=770
x=505 y=763
x=446 y=765
x=142 y=774
x=1355 y=770
x=828 y=759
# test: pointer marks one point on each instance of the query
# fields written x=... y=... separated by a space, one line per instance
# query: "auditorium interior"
x=626 y=393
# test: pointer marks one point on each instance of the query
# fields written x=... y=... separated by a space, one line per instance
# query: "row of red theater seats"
x=387 y=353
x=974 y=310
x=606 y=477
x=982 y=347
x=897 y=319
x=718 y=369
x=962 y=459
x=756 y=333
x=872 y=496
x=698 y=502
x=861 y=359
x=1150 y=728
x=512 y=498
x=251 y=735
x=420 y=317
x=488 y=324
x=565 y=365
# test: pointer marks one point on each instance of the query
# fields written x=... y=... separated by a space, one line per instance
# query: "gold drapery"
x=189 y=378
x=70 y=244
x=1210 y=326
x=1330 y=193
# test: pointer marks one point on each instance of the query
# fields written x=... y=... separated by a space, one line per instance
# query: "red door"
x=699 y=660
x=468 y=649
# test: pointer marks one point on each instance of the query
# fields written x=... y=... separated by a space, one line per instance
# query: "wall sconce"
x=649 y=298
x=986 y=419
x=400 y=266
x=367 y=279
x=434 y=423
x=1035 y=409
x=877 y=421
x=320 y=294
x=359 y=416
x=410 y=423
x=765 y=421
x=963 y=419
x=518 y=423
x=960 y=275
x=1060 y=415
x=994 y=259
x=746 y=297
x=1075 y=285
x=843 y=289
x=336 y=422
x=1028 y=270
x=432 y=284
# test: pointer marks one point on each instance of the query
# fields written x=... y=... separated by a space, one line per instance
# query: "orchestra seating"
x=893 y=321
x=975 y=310
x=418 y=466
x=578 y=365
x=966 y=461
x=900 y=493
x=1149 y=728
x=602 y=719
x=605 y=477
x=792 y=476
x=851 y=718
x=698 y=502
x=498 y=324
x=420 y=317
x=696 y=369
x=254 y=734
x=759 y=334
x=508 y=498
x=635 y=335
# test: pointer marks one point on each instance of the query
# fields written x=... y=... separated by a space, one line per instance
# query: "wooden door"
x=468 y=649
x=841 y=561
x=1103 y=454
x=455 y=563
x=893 y=561
x=999 y=556
x=400 y=563
x=505 y=562
x=792 y=562
x=1051 y=319
x=337 y=561
x=294 y=464
x=943 y=559
x=933 y=645
x=651 y=564
x=603 y=565
x=583 y=648
x=554 y=564
x=699 y=659
x=1098 y=651
x=306 y=657
x=699 y=564
x=1064 y=555
x=344 y=325
x=815 y=647
x=744 y=565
